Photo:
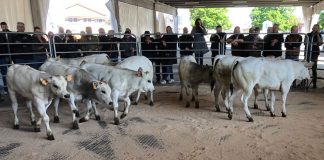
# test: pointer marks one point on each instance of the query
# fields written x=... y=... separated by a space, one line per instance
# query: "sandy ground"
x=170 y=131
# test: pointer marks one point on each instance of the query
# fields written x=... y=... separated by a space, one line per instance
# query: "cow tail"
x=232 y=75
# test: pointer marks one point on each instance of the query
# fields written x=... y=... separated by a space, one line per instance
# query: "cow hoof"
x=256 y=106
x=16 y=126
x=135 y=103
x=151 y=103
x=77 y=113
x=180 y=98
x=36 y=129
x=123 y=116
x=250 y=119
x=145 y=97
x=272 y=114
x=110 y=103
x=283 y=114
x=217 y=108
x=116 y=121
x=187 y=104
x=97 y=117
x=197 y=105
x=268 y=108
x=75 y=125
x=33 y=123
x=230 y=116
x=82 y=120
x=50 y=137
x=56 y=119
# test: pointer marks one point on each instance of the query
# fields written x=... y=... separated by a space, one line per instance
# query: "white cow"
x=76 y=62
x=266 y=74
x=39 y=88
x=84 y=86
x=123 y=83
x=135 y=62
x=222 y=74
x=191 y=75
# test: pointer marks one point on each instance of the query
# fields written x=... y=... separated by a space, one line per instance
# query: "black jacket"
x=20 y=47
x=273 y=50
x=186 y=41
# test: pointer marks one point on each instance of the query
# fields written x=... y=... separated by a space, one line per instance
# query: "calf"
x=265 y=74
x=39 y=88
x=135 y=62
x=191 y=75
x=84 y=86
x=123 y=83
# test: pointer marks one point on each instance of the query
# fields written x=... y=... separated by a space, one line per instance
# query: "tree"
x=280 y=15
x=321 y=20
x=211 y=17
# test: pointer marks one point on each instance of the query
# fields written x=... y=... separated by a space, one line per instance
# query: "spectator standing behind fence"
x=315 y=40
x=127 y=46
x=39 y=46
x=200 y=45
x=148 y=46
x=103 y=39
x=169 y=41
x=71 y=47
x=59 y=40
x=272 y=43
x=21 y=50
x=158 y=57
x=4 y=59
x=112 y=47
x=217 y=40
x=292 y=43
x=236 y=41
x=252 y=44
x=91 y=43
x=185 y=43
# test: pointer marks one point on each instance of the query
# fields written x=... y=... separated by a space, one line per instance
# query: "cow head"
x=57 y=85
x=146 y=83
x=102 y=91
x=302 y=70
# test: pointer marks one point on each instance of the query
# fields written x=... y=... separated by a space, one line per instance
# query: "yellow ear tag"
x=94 y=87
x=44 y=81
x=69 y=77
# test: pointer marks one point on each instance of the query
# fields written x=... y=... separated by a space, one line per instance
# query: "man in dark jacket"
x=315 y=40
x=158 y=56
x=273 y=43
x=148 y=46
x=112 y=48
x=185 y=43
x=127 y=46
x=217 y=40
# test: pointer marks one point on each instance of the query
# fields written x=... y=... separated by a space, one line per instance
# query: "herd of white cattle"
x=94 y=79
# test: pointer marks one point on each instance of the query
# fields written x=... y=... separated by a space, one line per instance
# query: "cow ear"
x=48 y=55
x=94 y=85
x=69 y=78
x=83 y=62
x=43 y=81
x=139 y=72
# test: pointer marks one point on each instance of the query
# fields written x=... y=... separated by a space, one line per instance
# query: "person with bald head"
x=91 y=43
x=217 y=40
x=236 y=41
x=273 y=42
x=185 y=43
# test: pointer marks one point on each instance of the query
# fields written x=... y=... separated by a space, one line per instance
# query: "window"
x=75 y=19
x=70 y=19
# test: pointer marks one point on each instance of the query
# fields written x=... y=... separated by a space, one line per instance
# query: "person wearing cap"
x=147 y=45
x=127 y=45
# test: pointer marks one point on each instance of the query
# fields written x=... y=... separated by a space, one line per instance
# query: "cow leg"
x=114 y=97
x=230 y=104
x=32 y=115
x=94 y=107
x=87 y=116
x=145 y=96
x=195 y=95
x=273 y=99
x=56 y=104
x=244 y=99
x=42 y=112
x=14 y=105
x=217 y=91
x=284 y=93
x=74 y=109
x=127 y=105
x=187 y=95
x=181 y=92
x=151 y=98
x=227 y=95
x=266 y=93
x=137 y=97
x=256 y=94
